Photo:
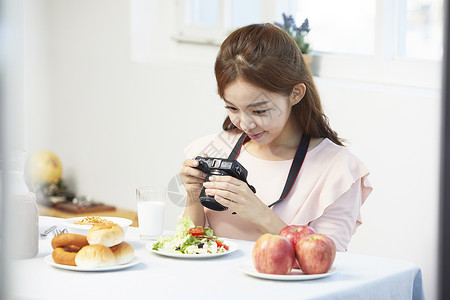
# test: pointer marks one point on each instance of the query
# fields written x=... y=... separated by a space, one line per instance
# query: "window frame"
x=384 y=66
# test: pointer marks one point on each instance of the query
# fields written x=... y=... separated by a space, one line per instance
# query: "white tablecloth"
x=158 y=277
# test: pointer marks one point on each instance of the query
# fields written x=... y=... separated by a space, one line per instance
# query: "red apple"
x=294 y=233
x=273 y=254
x=315 y=253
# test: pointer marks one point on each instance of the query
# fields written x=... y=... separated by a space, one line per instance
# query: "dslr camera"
x=219 y=166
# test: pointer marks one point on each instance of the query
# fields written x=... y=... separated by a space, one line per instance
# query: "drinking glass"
x=151 y=201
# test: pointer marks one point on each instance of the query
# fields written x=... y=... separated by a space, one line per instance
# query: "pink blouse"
x=327 y=195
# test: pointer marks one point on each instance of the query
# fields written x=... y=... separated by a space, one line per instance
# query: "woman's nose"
x=246 y=123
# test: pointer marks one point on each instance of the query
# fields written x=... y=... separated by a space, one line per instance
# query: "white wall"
x=396 y=132
x=117 y=123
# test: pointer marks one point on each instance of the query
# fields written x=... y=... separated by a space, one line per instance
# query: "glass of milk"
x=151 y=201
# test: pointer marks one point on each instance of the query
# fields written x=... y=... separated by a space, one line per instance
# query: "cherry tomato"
x=220 y=244
x=194 y=231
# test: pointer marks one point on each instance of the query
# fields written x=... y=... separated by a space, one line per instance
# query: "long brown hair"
x=265 y=56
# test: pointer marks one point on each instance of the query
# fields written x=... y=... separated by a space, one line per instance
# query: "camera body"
x=220 y=167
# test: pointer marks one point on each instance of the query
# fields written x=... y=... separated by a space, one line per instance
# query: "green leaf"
x=208 y=232
x=189 y=242
x=183 y=227
x=158 y=245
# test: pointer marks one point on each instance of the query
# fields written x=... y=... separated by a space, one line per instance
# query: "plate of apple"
x=297 y=253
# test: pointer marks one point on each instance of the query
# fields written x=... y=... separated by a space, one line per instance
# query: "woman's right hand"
x=192 y=178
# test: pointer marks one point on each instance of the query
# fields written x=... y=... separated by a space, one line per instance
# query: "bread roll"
x=95 y=256
x=123 y=252
x=105 y=234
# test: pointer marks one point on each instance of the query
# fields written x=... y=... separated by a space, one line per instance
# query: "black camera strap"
x=295 y=166
x=237 y=148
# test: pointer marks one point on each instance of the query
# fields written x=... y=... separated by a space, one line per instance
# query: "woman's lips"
x=255 y=136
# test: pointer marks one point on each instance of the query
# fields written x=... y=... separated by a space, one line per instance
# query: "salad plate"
x=295 y=274
x=190 y=241
x=48 y=259
x=232 y=247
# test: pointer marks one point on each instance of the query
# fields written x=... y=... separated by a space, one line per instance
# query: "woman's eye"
x=260 y=112
x=231 y=108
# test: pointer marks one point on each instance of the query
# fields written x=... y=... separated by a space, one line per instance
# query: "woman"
x=272 y=104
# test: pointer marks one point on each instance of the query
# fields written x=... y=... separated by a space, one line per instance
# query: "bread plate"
x=49 y=260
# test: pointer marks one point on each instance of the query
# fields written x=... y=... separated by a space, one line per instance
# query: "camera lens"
x=210 y=202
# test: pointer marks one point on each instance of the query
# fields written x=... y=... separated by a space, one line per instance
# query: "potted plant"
x=298 y=34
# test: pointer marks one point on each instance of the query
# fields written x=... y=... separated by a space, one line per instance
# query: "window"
x=420 y=29
x=210 y=21
x=415 y=27
x=202 y=13
x=343 y=32
x=379 y=41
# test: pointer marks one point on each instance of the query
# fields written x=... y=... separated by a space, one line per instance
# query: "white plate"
x=83 y=229
x=296 y=274
x=232 y=247
x=48 y=259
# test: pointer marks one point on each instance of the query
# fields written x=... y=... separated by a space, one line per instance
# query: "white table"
x=158 y=277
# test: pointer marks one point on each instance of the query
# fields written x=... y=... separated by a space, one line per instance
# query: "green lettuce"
x=208 y=232
x=183 y=227
x=159 y=244
x=190 y=241
x=182 y=231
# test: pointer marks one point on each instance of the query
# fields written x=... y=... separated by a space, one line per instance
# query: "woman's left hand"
x=238 y=197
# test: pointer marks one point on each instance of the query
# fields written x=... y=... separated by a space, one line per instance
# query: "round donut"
x=67 y=239
x=72 y=248
x=65 y=255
